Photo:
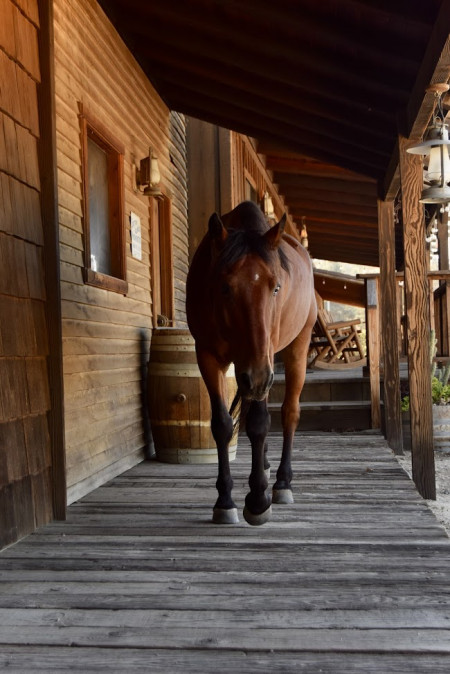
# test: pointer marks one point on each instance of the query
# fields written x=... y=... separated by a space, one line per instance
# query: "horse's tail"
x=238 y=409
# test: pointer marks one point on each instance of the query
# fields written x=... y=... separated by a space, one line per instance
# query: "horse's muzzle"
x=252 y=387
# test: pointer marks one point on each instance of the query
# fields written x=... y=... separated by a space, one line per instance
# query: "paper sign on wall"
x=136 y=239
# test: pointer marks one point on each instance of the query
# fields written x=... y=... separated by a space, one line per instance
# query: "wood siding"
x=25 y=445
x=106 y=336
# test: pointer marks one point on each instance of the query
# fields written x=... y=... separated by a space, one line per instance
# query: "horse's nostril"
x=245 y=381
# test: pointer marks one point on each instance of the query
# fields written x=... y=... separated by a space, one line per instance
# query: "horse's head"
x=247 y=290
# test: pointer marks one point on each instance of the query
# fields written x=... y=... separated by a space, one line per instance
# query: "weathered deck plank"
x=352 y=577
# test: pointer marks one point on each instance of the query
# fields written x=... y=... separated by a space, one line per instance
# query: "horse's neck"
x=292 y=241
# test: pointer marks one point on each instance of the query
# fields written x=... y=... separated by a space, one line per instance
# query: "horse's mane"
x=241 y=242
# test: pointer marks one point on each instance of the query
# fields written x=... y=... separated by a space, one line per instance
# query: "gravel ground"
x=440 y=507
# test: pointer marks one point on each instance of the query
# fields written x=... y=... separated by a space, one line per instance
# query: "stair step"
x=328 y=415
x=322 y=389
x=326 y=405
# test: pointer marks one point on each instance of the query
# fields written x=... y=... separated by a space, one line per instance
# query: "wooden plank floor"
x=354 y=577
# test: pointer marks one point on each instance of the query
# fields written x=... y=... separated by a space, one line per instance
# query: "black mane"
x=242 y=241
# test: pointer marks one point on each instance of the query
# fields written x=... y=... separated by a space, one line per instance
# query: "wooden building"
x=75 y=334
x=333 y=95
x=107 y=318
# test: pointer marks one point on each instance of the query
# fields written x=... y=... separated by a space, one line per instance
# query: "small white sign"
x=136 y=238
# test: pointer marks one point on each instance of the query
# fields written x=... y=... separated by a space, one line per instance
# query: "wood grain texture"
x=25 y=406
x=418 y=321
x=351 y=577
x=389 y=321
x=106 y=336
x=373 y=348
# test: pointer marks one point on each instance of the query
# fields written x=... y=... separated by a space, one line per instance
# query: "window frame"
x=116 y=281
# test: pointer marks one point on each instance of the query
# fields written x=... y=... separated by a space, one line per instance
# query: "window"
x=103 y=208
x=161 y=257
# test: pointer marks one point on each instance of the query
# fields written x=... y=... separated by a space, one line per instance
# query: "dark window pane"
x=100 y=240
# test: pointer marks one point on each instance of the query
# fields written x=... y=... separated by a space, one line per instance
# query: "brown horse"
x=250 y=294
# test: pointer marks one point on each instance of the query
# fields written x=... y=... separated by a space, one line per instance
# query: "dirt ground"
x=440 y=507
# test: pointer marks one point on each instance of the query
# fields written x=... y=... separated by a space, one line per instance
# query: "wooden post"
x=418 y=322
x=389 y=326
x=444 y=264
x=49 y=208
x=373 y=348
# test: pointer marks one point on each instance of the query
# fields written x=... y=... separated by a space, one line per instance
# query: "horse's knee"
x=257 y=422
x=290 y=415
x=222 y=427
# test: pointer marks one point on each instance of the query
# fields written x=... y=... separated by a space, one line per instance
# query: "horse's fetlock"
x=258 y=483
x=224 y=485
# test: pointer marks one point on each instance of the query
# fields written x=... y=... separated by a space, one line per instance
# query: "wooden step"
x=331 y=415
x=321 y=389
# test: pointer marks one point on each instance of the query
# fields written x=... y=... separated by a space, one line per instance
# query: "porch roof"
x=324 y=87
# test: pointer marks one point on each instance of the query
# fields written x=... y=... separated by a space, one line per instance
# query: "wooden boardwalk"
x=354 y=577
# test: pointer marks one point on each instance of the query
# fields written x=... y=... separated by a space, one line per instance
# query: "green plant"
x=440 y=388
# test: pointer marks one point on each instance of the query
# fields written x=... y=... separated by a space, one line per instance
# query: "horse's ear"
x=216 y=230
x=275 y=233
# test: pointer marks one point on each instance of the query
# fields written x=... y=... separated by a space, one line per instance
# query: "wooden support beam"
x=49 y=208
x=373 y=348
x=443 y=264
x=389 y=326
x=442 y=219
x=418 y=322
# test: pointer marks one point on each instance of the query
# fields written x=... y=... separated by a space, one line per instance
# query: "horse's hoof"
x=257 y=520
x=225 y=516
x=283 y=496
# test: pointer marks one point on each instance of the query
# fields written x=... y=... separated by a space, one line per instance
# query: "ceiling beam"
x=283 y=163
x=257 y=125
x=302 y=182
x=337 y=208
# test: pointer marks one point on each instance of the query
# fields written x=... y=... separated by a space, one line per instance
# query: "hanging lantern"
x=436 y=147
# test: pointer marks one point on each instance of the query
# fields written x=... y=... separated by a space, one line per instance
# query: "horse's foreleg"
x=257 y=502
x=225 y=511
x=295 y=372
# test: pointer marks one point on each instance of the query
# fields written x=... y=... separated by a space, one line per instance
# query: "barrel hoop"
x=180 y=370
x=174 y=347
x=181 y=422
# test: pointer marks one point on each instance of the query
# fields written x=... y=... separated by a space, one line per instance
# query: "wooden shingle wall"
x=25 y=452
x=106 y=336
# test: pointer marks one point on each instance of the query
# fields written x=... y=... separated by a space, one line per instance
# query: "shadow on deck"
x=353 y=577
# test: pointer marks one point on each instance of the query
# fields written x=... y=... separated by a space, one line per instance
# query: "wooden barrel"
x=179 y=407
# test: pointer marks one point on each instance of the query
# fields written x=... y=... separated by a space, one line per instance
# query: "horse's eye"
x=276 y=289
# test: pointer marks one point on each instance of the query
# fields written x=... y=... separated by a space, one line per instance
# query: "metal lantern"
x=437 y=174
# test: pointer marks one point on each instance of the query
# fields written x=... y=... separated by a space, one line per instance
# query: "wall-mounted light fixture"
x=148 y=176
x=437 y=173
